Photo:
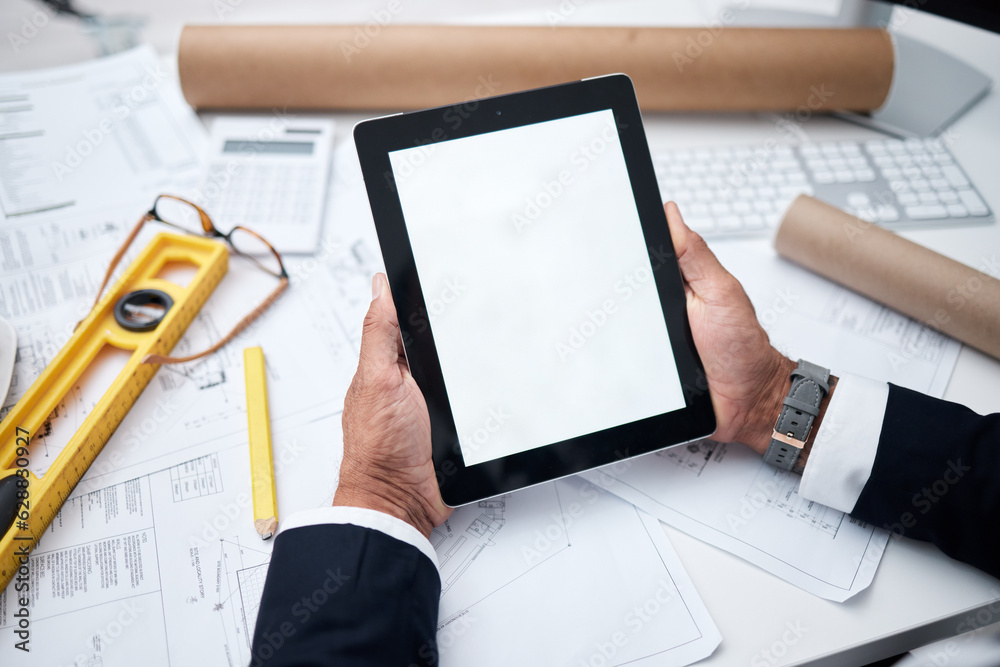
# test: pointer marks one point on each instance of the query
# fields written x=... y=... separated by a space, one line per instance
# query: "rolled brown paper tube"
x=412 y=67
x=916 y=281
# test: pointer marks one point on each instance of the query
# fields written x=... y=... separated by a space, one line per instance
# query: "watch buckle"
x=788 y=439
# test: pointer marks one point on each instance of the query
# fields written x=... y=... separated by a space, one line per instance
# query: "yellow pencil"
x=265 y=502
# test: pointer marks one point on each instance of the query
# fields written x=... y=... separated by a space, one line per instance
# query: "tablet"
x=539 y=298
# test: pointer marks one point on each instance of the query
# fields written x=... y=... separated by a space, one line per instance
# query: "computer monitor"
x=980 y=13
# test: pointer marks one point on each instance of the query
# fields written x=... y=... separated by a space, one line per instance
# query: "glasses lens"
x=179 y=213
x=254 y=248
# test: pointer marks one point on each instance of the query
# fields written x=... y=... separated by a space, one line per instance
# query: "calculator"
x=270 y=174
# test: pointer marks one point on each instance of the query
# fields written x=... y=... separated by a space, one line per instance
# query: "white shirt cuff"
x=365 y=518
x=843 y=452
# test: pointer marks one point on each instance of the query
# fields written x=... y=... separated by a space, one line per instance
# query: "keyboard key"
x=908 y=198
x=948 y=196
x=730 y=223
x=887 y=213
x=955 y=176
x=693 y=182
x=943 y=158
x=838 y=164
x=912 y=172
x=885 y=162
x=899 y=186
x=844 y=176
x=929 y=198
x=920 y=185
x=809 y=151
x=824 y=177
x=849 y=148
x=926 y=212
x=698 y=209
x=700 y=225
x=867 y=214
x=858 y=200
x=704 y=195
x=750 y=193
x=763 y=206
x=892 y=174
x=857 y=163
x=742 y=207
x=753 y=221
x=957 y=211
x=720 y=208
x=766 y=192
x=972 y=202
x=895 y=146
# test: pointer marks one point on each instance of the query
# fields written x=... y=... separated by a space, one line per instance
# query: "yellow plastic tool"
x=143 y=313
x=265 y=500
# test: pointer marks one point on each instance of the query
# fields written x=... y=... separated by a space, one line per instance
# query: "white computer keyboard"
x=746 y=189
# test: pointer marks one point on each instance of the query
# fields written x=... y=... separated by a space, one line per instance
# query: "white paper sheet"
x=80 y=136
x=576 y=575
x=725 y=495
x=167 y=569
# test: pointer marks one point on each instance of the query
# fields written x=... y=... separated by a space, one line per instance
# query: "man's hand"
x=747 y=378
x=387 y=432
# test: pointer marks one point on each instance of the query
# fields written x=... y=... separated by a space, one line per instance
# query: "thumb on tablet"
x=381 y=346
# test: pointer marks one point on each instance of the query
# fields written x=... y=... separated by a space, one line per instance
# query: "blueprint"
x=575 y=574
x=74 y=138
x=167 y=568
x=725 y=495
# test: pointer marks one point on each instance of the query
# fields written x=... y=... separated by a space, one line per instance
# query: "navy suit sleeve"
x=339 y=594
x=936 y=477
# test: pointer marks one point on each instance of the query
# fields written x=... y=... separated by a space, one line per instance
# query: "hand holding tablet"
x=538 y=295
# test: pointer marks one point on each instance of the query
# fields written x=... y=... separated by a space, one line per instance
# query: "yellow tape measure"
x=144 y=314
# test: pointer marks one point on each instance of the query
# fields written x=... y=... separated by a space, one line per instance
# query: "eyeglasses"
x=192 y=219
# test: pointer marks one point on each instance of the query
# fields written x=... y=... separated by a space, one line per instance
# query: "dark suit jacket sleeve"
x=936 y=477
x=339 y=594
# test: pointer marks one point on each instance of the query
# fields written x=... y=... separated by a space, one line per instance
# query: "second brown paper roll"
x=412 y=67
x=916 y=281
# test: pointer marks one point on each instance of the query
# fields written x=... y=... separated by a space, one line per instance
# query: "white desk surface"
x=918 y=594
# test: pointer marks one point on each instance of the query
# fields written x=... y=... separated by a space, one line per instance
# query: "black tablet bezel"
x=461 y=484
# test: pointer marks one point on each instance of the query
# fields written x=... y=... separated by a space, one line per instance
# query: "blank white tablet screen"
x=537 y=282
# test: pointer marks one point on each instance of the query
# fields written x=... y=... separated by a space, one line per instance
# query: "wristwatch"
x=810 y=383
